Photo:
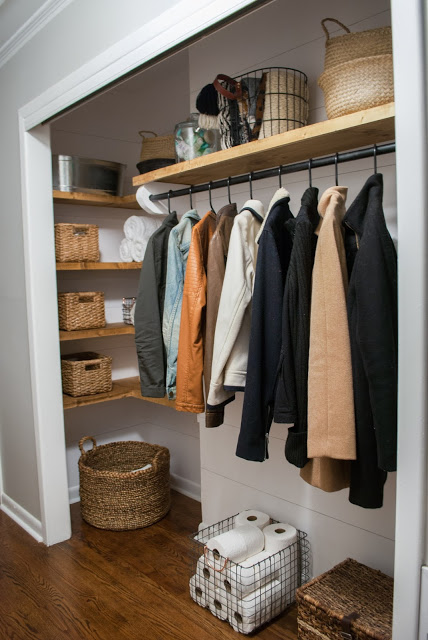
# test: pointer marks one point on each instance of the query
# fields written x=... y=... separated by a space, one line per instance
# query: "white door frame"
x=159 y=36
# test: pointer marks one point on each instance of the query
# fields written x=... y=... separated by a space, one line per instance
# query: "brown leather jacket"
x=190 y=360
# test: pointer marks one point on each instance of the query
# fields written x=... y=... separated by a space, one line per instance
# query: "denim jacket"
x=178 y=250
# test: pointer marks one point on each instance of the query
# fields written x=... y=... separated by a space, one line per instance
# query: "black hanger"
x=250 y=181
x=375 y=158
x=228 y=190
x=310 y=171
x=279 y=176
x=209 y=196
x=169 y=201
x=190 y=196
x=336 y=172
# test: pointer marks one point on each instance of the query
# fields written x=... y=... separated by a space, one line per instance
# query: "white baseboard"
x=73 y=494
x=25 y=520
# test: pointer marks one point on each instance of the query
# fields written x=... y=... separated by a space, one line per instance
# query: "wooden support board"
x=125 y=388
x=113 y=329
x=348 y=132
x=95 y=200
x=97 y=266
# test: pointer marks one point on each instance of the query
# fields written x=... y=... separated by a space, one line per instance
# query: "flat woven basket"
x=349 y=601
x=157 y=147
x=82 y=310
x=361 y=44
x=357 y=84
x=85 y=374
x=76 y=242
x=115 y=492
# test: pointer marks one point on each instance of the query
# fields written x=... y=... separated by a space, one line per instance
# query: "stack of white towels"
x=249 y=574
x=137 y=230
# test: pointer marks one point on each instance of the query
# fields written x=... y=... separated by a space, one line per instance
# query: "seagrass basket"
x=76 y=242
x=349 y=46
x=124 y=485
x=82 y=310
x=156 y=152
x=85 y=374
x=349 y=601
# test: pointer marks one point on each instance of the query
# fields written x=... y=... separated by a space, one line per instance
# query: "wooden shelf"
x=352 y=131
x=95 y=200
x=113 y=329
x=125 y=388
x=97 y=266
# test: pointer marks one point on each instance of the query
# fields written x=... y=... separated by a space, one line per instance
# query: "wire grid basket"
x=247 y=596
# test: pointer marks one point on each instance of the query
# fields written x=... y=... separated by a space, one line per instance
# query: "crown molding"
x=28 y=30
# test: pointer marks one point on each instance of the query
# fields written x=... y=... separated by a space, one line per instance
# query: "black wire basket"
x=261 y=103
x=246 y=595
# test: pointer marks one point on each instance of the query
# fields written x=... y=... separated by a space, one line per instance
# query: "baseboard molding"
x=24 y=519
x=73 y=494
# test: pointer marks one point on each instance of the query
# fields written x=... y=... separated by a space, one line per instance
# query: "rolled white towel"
x=138 y=249
x=125 y=250
x=140 y=227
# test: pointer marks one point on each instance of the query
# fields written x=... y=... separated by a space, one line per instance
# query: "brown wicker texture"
x=158 y=147
x=348 y=588
x=361 y=44
x=115 y=493
x=85 y=374
x=76 y=242
x=358 y=84
x=82 y=310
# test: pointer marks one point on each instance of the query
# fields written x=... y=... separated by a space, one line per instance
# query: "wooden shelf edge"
x=113 y=329
x=352 y=131
x=124 y=388
x=95 y=200
x=98 y=266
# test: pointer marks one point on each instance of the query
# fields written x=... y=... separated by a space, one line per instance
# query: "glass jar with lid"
x=191 y=141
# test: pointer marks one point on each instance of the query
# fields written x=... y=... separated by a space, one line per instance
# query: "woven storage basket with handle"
x=156 y=152
x=87 y=373
x=116 y=492
x=349 y=601
x=82 y=310
x=76 y=242
x=361 y=44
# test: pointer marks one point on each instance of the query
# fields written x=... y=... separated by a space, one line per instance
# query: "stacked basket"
x=358 y=72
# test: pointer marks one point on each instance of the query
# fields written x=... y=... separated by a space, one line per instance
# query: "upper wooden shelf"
x=97 y=266
x=352 y=131
x=95 y=200
x=112 y=329
x=125 y=388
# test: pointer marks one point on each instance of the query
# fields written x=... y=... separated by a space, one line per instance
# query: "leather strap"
x=224 y=92
x=346 y=623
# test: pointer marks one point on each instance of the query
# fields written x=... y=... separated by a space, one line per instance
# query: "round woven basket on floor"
x=357 y=84
x=115 y=492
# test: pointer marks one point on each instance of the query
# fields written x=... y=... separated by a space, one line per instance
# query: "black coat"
x=372 y=316
x=149 y=311
x=265 y=337
x=291 y=402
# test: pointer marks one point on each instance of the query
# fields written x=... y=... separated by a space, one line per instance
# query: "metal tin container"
x=71 y=173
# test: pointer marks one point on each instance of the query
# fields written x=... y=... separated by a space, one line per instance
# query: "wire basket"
x=261 y=103
x=247 y=596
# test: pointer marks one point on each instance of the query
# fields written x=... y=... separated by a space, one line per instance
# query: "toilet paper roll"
x=217 y=604
x=257 y=607
x=153 y=188
x=197 y=591
x=241 y=579
x=237 y=544
x=279 y=536
x=251 y=516
x=207 y=573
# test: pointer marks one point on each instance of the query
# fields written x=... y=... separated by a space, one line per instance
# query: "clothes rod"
x=339 y=158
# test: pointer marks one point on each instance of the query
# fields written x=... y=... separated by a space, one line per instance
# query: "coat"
x=265 y=337
x=291 y=401
x=216 y=268
x=372 y=314
x=232 y=331
x=149 y=311
x=190 y=360
x=178 y=251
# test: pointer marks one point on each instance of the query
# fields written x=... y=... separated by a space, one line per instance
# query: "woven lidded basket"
x=357 y=84
x=85 y=374
x=116 y=492
x=76 y=242
x=361 y=44
x=349 y=601
x=82 y=310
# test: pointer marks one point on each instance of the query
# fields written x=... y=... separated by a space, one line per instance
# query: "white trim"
x=423 y=619
x=19 y=515
x=412 y=203
x=186 y=487
x=28 y=30
x=154 y=38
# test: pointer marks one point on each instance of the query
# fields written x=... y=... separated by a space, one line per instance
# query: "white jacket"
x=232 y=332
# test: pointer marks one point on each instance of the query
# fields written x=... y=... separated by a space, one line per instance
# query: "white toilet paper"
x=241 y=579
x=257 y=608
x=197 y=591
x=153 y=188
x=251 y=516
x=279 y=536
x=207 y=573
x=218 y=605
x=237 y=544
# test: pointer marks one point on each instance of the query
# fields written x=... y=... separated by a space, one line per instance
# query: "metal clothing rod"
x=347 y=156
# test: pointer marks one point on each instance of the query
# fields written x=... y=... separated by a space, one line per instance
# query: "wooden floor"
x=104 y=585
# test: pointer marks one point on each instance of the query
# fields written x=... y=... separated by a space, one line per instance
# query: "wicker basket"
x=357 y=84
x=82 y=310
x=156 y=152
x=361 y=44
x=116 y=492
x=76 y=242
x=85 y=374
x=349 y=601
